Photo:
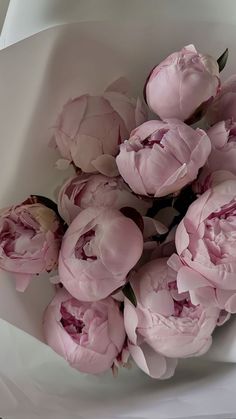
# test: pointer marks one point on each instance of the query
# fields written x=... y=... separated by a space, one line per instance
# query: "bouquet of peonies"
x=141 y=242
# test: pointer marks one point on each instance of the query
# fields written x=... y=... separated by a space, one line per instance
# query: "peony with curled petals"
x=96 y=190
x=183 y=85
x=88 y=335
x=161 y=157
x=30 y=238
x=165 y=325
x=90 y=128
x=206 y=245
x=98 y=250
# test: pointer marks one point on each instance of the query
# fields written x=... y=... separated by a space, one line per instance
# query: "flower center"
x=71 y=324
x=220 y=234
x=180 y=306
x=156 y=138
x=84 y=246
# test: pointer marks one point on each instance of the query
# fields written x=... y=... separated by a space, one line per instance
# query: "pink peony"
x=97 y=190
x=165 y=325
x=224 y=105
x=88 y=335
x=30 y=239
x=161 y=157
x=206 y=244
x=183 y=84
x=90 y=128
x=98 y=250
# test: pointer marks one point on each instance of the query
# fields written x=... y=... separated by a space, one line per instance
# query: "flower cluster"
x=143 y=235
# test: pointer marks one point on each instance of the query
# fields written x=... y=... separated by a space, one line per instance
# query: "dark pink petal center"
x=80 y=248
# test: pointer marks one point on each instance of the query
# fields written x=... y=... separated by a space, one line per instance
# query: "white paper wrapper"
x=37 y=76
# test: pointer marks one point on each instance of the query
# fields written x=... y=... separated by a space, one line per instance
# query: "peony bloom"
x=161 y=157
x=98 y=250
x=183 y=85
x=90 y=128
x=88 y=335
x=165 y=325
x=30 y=239
x=206 y=244
x=224 y=105
x=97 y=190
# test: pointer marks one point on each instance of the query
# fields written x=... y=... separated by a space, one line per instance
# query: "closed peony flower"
x=165 y=325
x=98 y=250
x=30 y=239
x=224 y=105
x=88 y=335
x=161 y=157
x=90 y=128
x=97 y=190
x=183 y=85
x=206 y=243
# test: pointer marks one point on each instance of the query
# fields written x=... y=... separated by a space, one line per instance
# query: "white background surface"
x=26 y=17
x=198 y=390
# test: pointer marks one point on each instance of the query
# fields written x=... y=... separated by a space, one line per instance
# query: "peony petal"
x=153 y=227
x=106 y=164
x=131 y=321
x=121 y=85
x=85 y=150
x=188 y=279
x=148 y=360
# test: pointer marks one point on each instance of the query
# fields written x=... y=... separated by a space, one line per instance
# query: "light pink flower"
x=185 y=81
x=165 y=325
x=90 y=128
x=224 y=105
x=97 y=190
x=206 y=244
x=98 y=250
x=30 y=238
x=161 y=157
x=88 y=335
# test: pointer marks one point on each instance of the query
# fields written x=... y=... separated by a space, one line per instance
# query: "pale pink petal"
x=106 y=165
x=121 y=85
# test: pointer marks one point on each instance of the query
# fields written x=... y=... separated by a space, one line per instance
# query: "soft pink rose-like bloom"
x=165 y=325
x=88 y=335
x=29 y=241
x=206 y=244
x=181 y=83
x=97 y=190
x=161 y=157
x=90 y=128
x=224 y=105
x=98 y=250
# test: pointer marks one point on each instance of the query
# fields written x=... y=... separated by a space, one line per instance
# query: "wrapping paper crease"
x=37 y=76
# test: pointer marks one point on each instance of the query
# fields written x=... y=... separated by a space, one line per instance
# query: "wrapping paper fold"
x=37 y=76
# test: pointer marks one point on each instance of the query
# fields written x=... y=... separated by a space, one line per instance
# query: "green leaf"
x=129 y=293
x=222 y=60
